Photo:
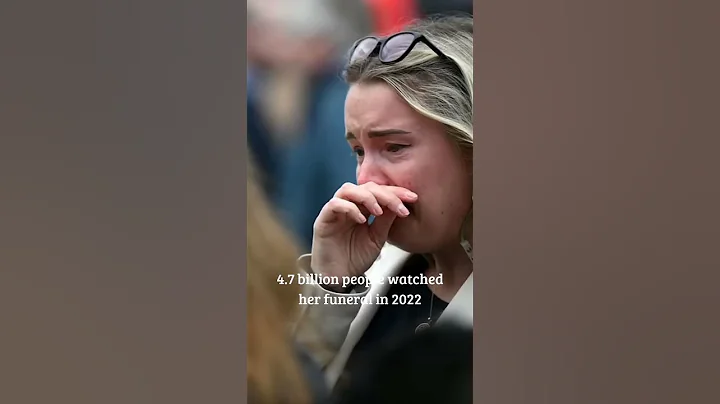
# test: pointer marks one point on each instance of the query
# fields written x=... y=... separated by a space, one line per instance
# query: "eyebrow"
x=379 y=133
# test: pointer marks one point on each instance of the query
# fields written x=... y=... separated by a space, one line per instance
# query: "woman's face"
x=395 y=145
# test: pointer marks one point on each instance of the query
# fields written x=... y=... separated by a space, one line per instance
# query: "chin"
x=409 y=238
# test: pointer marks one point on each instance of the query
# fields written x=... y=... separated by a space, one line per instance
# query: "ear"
x=467 y=227
x=466 y=232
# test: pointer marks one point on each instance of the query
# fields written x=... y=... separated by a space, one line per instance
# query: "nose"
x=370 y=171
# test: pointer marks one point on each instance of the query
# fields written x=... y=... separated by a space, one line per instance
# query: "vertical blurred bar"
x=122 y=172
x=597 y=202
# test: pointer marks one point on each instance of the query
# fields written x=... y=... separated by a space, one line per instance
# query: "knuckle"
x=345 y=189
x=334 y=203
x=372 y=190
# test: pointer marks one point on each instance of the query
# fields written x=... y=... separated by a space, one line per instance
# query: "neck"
x=455 y=266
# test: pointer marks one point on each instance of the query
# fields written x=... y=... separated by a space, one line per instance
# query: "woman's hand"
x=344 y=244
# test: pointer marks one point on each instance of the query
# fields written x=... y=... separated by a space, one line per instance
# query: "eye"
x=358 y=152
x=394 y=148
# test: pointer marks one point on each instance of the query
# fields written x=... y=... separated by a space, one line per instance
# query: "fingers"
x=343 y=207
x=380 y=228
x=373 y=196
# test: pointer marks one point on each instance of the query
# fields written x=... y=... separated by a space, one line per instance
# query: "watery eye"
x=394 y=148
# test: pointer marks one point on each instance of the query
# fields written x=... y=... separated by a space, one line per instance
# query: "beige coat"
x=330 y=332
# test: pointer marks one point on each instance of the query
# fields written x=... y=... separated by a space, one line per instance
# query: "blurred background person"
x=445 y=7
x=296 y=97
x=277 y=370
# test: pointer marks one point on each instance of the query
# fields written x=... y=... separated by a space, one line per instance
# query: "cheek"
x=408 y=181
x=444 y=186
x=429 y=171
x=433 y=174
x=419 y=178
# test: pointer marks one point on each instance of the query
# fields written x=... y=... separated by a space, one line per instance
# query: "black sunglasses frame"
x=381 y=42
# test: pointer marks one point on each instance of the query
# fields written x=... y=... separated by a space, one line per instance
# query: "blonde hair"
x=440 y=89
x=273 y=372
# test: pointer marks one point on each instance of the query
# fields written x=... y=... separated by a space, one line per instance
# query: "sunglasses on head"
x=391 y=49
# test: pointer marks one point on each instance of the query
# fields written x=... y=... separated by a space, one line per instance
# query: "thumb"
x=380 y=227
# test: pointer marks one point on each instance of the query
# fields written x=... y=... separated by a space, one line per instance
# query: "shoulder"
x=390 y=261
